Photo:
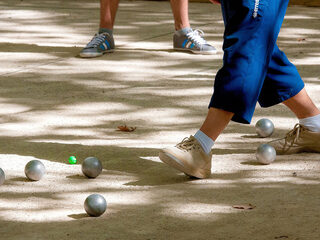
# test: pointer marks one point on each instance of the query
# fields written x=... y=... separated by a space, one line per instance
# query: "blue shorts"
x=254 y=69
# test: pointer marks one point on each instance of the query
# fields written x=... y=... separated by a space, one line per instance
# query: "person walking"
x=254 y=70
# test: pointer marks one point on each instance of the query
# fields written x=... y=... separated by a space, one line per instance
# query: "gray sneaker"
x=101 y=43
x=188 y=157
x=193 y=41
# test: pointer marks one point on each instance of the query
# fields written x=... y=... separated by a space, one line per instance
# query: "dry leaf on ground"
x=244 y=206
x=126 y=128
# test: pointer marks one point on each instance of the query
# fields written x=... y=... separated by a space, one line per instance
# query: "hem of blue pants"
x=239 y=116
x=284 y=96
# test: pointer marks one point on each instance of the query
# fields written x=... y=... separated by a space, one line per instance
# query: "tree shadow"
x=77 y=104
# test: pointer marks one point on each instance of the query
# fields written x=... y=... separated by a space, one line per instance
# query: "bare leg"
x=180 y=13
x=108 y=10
x=301 y=105
x=215 y=122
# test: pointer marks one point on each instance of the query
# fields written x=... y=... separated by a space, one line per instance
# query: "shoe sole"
x=93 y=55
x=177 y=164
x=195 y=52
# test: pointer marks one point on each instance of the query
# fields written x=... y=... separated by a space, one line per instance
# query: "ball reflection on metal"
x=264 y=127
x=266 y=154
x=35 y=170
x=95 y=205
x=91 y=167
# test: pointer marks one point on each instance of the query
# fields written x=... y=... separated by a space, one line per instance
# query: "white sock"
x=206 y=142
x=311 y=123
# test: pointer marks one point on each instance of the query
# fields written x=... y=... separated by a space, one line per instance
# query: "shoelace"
x=187 y=144
x=96 y=40
x=196 y=36
x=292 y=136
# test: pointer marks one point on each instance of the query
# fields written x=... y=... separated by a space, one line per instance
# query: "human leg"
x=108 y=11
x=103 y=41
x=217 y=118
x=180 y=13
x=302 y=105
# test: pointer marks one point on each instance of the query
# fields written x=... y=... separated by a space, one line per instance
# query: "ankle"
x=184 y=31
x=107 y=30
x=205 y=141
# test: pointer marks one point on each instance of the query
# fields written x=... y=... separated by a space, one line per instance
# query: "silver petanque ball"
x=91 y=167
x=264 y=127
x=266 y=154
x=2 y=176
x=95 y=205
x=35 y=170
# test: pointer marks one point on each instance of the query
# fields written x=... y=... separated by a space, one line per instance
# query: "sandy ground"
x=54 y=105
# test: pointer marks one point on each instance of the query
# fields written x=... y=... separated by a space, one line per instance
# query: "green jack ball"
x=72 y=160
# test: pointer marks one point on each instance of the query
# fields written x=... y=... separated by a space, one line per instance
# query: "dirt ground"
x=54 y=104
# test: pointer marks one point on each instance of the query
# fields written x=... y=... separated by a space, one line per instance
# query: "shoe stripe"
x=192 y=45
x=104 y=46
x=108 y=44
x=188 y=44
x=184 y=43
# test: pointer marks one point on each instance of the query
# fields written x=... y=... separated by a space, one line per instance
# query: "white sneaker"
x=188 y=157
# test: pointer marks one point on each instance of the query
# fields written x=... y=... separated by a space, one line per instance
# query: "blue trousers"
x=254 y=69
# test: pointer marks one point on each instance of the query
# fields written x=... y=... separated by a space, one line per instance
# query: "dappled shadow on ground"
x=185 y=209
x=54 y=105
